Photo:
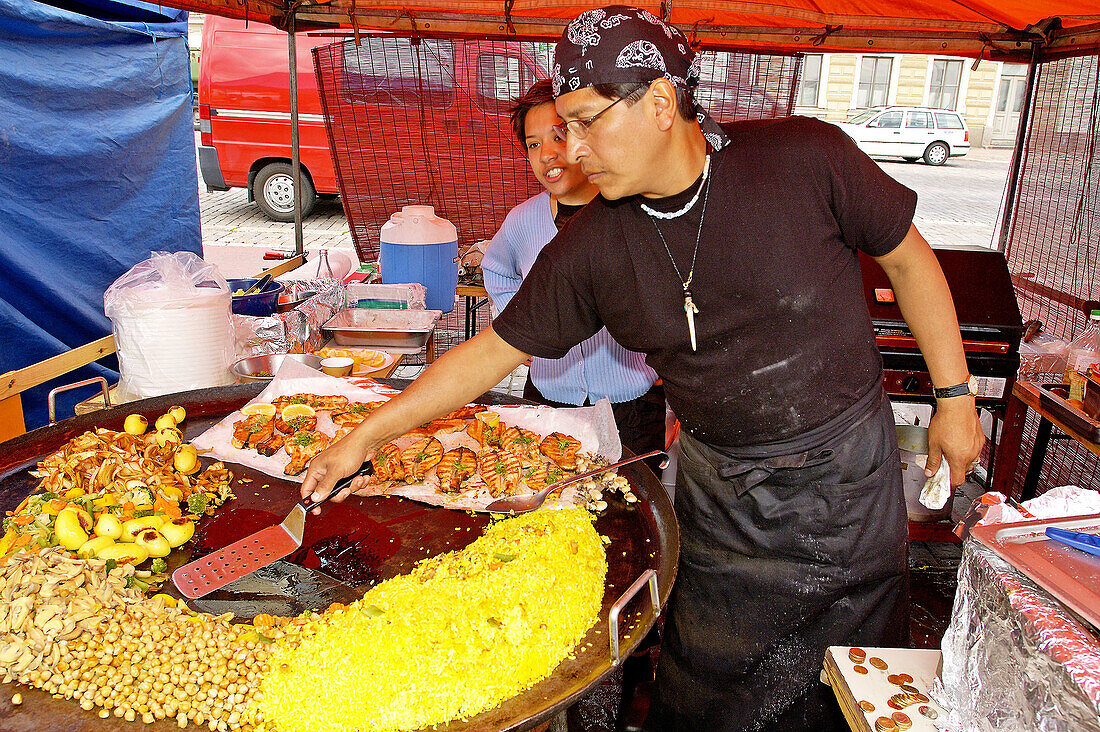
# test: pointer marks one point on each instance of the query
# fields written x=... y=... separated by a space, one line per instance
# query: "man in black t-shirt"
x=729 y=256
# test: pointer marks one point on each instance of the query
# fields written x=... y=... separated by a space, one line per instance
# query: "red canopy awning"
x=999 y=29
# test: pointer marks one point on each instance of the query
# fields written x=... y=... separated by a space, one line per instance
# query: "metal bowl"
x=263 y=368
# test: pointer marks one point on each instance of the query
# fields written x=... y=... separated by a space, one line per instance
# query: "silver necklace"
x=687 y=206
x=690 y=309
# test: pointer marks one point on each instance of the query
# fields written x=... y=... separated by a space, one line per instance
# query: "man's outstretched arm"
x=459 y=376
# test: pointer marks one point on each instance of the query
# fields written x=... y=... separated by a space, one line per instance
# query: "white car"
x=910 y=132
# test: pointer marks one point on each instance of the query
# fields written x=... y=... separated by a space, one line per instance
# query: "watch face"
x=972 y=382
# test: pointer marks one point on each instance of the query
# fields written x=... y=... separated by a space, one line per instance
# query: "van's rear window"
x=393 y=71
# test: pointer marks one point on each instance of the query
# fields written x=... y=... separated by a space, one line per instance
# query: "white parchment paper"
x=593 y=426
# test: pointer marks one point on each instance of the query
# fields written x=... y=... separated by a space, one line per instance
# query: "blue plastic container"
x=418 y=246
x=258 y=304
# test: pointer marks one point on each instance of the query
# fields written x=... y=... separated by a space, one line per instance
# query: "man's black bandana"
x=620 y=44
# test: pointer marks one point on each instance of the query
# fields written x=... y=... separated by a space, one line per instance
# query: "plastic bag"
x=1043 y=358
x=171 y=320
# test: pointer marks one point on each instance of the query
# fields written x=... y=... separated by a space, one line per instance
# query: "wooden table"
x=1025 y=395
x=472 y=293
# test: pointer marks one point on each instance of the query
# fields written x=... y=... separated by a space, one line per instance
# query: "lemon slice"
x=491 y=419
x=293 y=411
x=268 y=410
x=372 y=358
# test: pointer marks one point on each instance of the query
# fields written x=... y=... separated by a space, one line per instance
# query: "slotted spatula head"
x=242 y=557
x=254 y=551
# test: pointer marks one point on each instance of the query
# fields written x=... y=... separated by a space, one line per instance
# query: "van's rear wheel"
x=273 y=189
x=936 y=154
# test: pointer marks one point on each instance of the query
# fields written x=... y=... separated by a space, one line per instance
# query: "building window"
x=810 y=87
x=874 y=81
x=944 y=90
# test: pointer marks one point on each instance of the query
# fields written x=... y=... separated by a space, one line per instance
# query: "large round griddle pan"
x=362 y=541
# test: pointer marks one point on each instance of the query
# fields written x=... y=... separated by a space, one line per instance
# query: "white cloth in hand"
x=937 y=489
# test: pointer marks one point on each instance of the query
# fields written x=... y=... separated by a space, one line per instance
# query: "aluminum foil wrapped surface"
x=295 y=331
x=1014 y=658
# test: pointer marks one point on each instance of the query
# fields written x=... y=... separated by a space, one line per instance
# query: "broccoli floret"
x=159 y=565
x=8 y=523
x=197 y=503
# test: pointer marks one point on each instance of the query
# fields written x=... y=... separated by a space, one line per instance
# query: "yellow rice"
x=457 y=636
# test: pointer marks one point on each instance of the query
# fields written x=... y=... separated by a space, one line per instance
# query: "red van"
x=244 y=102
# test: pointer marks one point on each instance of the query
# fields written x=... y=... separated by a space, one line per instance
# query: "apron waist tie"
x=745 y=474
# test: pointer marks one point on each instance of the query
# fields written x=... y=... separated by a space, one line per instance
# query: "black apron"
x=781 y=557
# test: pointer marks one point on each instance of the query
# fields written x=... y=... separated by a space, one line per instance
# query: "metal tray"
x=1070 y=575
x=1052 y=397
x=392 y=329
x=362 y=541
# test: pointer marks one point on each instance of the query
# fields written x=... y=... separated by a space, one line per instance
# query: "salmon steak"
x=355 y=413
x=524 y=443
x=467 y=412
x=251 y=431
x=455 y=467
x=438 y=426
x=562 y=449
x=500 y=470
x=486 y=429
x=322 y=403
x=273 y=444
x=388 y=464
x=420 y=457
x=295 y=424
x=302 y=447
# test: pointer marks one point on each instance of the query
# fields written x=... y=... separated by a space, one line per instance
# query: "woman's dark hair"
x=541 y=92
x=632 y=91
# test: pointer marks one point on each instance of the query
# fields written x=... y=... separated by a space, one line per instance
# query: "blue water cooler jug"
x=418 y=246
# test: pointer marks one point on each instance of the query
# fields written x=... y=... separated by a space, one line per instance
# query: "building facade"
x=989 y=96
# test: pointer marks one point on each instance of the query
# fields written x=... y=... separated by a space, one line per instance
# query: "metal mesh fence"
x=1055 y=231
x=426 y=121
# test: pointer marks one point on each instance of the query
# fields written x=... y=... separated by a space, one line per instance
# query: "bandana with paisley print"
x=621 y=44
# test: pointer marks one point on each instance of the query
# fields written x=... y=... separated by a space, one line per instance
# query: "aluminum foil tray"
x=390 y=329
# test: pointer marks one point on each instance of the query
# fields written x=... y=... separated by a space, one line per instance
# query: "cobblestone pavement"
x=958 y=203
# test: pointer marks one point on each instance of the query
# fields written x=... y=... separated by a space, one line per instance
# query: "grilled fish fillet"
x=388 y=464
x=562 y=449
x=455 y=467
x=420 y=457
x=500 y=470
x=251 y=431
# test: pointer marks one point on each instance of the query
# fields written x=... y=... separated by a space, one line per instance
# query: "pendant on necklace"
x=690 y=310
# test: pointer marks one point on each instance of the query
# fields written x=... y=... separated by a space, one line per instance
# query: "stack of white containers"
x=172 y=323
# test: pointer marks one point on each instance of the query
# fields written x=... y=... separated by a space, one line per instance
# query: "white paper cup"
x=337 y=365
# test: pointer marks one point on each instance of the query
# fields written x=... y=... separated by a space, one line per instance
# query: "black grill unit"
x=989 y=319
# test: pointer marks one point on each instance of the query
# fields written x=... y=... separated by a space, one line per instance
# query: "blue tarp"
x=97 y=168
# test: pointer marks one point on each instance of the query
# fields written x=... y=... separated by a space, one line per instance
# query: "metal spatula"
x=254 y=551
x=281 y=588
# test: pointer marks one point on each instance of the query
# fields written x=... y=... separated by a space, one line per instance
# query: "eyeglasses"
x=580 y=127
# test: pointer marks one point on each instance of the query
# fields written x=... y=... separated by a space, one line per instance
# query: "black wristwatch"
x=970 y=386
